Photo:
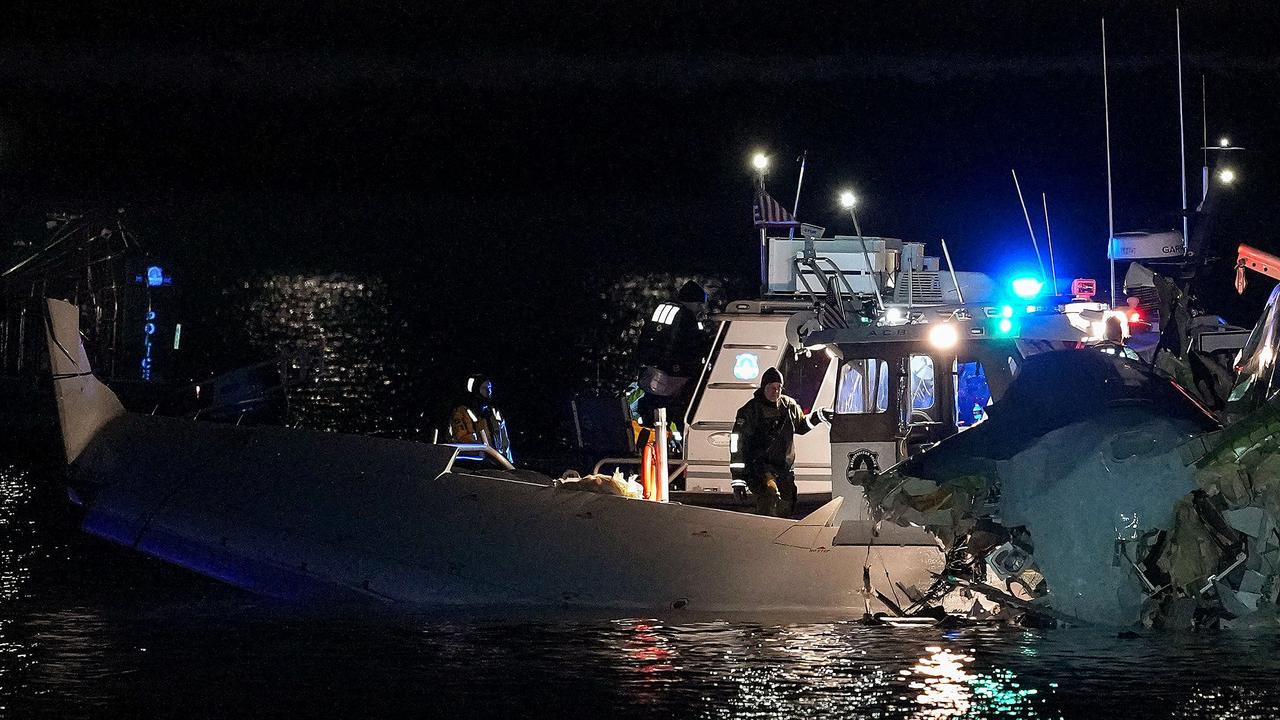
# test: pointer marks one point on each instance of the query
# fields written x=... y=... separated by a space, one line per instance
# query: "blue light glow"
x=1027 y=287
x=148 y=330
x=746 y=366
x=1006 y=325
x=155 y=276
x=1006 y=311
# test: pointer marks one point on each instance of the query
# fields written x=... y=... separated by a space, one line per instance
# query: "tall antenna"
x=1182 y=129
x=952 y=270
x=1049 y=236
x=1204 y=143
x=1106 y=112
x=795 y=207
x=1027 y=215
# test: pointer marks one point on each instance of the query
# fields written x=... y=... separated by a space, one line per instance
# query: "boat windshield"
x=922 y=382
x=863 y=387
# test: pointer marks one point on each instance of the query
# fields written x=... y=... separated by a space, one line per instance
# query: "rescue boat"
x=905 y=351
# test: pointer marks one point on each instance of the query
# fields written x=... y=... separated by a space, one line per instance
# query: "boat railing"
x=494 y=455
x=676 y=468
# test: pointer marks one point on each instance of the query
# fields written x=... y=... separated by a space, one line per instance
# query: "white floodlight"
x=944 y=336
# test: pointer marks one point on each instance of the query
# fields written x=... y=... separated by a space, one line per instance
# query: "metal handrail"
x=681 y=467
x=487 y=450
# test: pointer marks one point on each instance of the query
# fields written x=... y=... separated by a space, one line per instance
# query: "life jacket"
x=483 y=424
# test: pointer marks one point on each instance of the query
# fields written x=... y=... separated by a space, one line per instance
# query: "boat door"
x=896 y=399
x=865 y=429
x=745 y=347
x=892 y=399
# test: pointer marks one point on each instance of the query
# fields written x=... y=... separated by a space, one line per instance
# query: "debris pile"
x=1099 y=493
x=602 y=484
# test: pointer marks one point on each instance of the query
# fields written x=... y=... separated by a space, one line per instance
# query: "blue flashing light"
x=1027 y=287
x=1006 y=326
x=1006 y=311
x=155 y=276
x=746 y=366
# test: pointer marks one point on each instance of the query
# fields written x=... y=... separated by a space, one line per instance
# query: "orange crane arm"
x=1254 y=259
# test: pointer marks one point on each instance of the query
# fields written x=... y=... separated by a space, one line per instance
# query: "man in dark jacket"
x=762 y=446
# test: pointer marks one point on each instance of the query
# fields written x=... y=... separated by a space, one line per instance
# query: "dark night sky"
x=473 y=140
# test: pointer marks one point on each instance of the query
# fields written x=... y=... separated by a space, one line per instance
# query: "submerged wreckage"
x=1101 y=492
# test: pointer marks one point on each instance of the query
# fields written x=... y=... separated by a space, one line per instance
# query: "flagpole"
x=761 y=163
x=764 y=262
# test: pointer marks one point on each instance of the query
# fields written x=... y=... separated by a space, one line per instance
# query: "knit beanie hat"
x=770 y=376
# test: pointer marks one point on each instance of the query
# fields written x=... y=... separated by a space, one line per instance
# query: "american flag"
x=769 y=214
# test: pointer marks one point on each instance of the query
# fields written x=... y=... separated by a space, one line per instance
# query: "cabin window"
x=973 y=395
x=923 y=387
x=802 y=376
x=863 y=387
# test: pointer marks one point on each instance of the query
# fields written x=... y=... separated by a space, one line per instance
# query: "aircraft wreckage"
x=1098 y=491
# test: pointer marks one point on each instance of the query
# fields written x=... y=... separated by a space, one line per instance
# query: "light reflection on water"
x=337 y=333
x=91 y=631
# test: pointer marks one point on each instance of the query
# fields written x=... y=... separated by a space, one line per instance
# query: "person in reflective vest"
x=672 y=349
x=478 y=421
x=762 y=446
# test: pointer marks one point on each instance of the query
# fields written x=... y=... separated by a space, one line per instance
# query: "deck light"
x=1224 y=142
x=760 y=162
x=848 y=200
x=1027 y=287
x=944 y=336
x=1227 y=176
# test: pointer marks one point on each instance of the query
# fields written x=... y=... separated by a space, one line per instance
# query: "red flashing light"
x=1084 y=288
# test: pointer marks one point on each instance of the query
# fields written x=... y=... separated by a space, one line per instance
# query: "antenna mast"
x=1106 y=111
x=1049 y=236
x=1182 y=129
x=795 y=207
x=1204 y=143
x=1027 y=215
x=952 y=270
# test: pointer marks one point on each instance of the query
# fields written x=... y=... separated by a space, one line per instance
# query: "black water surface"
x=88 y=630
